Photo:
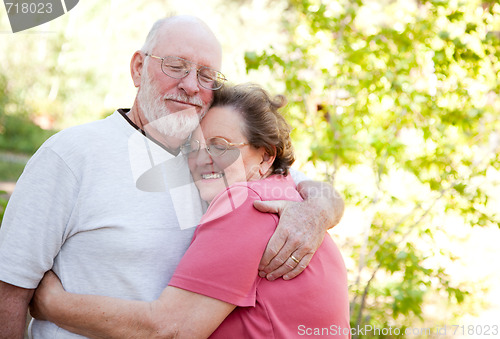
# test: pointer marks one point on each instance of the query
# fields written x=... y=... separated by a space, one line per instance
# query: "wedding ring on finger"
x=294 y=259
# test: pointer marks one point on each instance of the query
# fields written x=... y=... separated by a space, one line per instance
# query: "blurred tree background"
x=396 y=102
x=399 y=101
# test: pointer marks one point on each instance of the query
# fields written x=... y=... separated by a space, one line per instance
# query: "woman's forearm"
x=177 y=313
x=103 y=317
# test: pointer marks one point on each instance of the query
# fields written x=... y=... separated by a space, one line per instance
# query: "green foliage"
x=3 y=204
x=17 y=132
x=21 y=135
x=67 y=74
x=413 y=95
x=10 y=171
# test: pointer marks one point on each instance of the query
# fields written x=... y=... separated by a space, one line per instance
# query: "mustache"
x=184 y=98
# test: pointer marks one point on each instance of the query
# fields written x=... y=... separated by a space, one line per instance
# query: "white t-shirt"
x=76 y=209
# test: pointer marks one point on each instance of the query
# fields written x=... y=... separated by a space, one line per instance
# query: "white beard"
x=172 y=124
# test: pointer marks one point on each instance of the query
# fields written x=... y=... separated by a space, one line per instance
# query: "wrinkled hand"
x=299 y=234
x=48 y=290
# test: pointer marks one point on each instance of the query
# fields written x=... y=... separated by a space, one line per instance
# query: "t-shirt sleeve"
x=223 y=258
x=34 y=225
x=298 y=176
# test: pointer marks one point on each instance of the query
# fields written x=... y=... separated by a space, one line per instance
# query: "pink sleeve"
x=223 y=258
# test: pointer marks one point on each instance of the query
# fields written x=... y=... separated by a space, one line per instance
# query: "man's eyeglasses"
x=216 y=146
x=179 y=68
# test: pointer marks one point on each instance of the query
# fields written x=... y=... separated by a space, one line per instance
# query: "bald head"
x=190 y=28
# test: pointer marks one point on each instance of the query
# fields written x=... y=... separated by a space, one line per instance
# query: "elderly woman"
x=241 y=153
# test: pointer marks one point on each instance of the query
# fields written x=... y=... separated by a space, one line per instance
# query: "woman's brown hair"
x=264 y=125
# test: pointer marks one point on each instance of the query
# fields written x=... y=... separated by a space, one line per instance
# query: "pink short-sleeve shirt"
x=222 y=263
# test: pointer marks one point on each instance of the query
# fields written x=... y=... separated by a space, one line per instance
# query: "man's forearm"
x=13 y=310
x=329 y=202
x=301 y=229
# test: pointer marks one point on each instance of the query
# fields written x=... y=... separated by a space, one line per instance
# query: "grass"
x=20 y=135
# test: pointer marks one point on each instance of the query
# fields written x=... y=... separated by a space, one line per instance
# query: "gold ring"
x=294 y=259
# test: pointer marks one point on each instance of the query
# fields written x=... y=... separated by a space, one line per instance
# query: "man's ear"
x=136 y=65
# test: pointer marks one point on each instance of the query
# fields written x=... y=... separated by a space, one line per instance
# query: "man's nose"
x=190 y=83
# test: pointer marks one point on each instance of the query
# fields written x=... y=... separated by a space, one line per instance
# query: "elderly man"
x=78 y=208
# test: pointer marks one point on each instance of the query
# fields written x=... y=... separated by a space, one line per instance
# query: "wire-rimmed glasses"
x=179 y=68
x=215 y=146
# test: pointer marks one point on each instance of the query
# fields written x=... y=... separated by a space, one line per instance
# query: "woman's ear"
x=266 y=162
x=136 y=65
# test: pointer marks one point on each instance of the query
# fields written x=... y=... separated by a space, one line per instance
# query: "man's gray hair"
x=152 y=37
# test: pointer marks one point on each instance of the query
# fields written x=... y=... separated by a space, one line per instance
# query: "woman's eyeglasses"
x=215 y=146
